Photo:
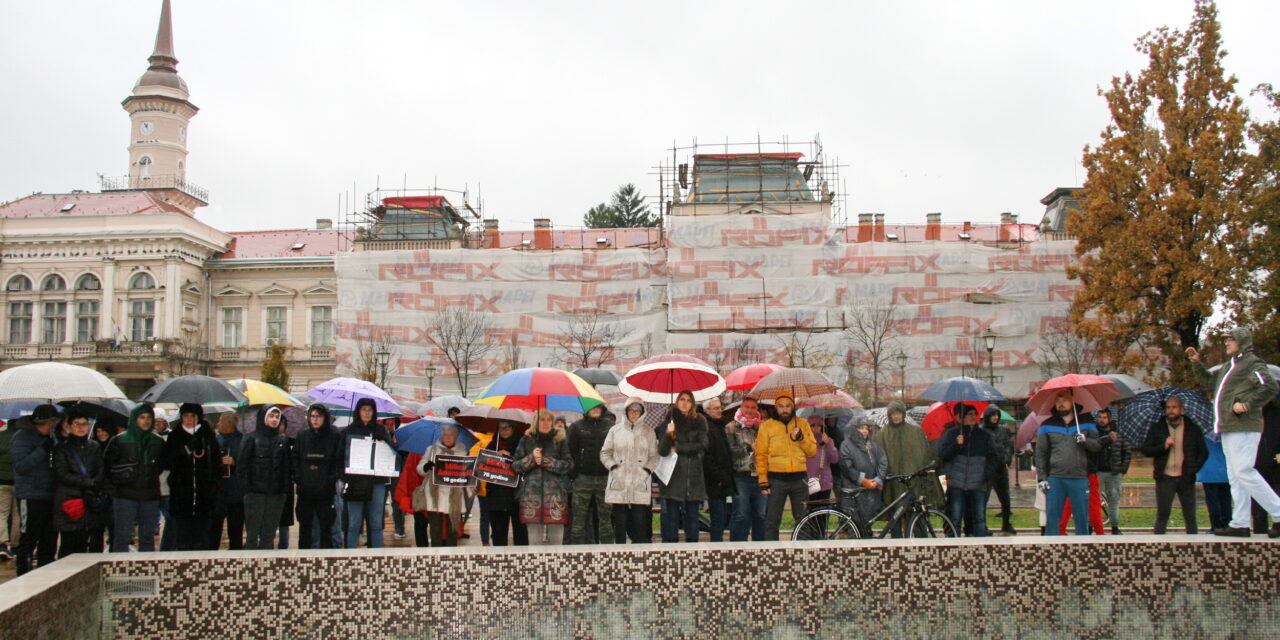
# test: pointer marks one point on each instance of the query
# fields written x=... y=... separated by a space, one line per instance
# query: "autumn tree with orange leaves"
x=1162 y=234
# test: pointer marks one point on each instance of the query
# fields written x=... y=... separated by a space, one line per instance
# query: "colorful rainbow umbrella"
x=541 y=388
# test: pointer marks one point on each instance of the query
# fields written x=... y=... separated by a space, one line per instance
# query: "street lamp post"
x=901 y=357
x=384 y=358
x=989 y=339
x=431 y=376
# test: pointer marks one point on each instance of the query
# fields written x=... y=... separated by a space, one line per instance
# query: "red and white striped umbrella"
x=662 y=378
x=801 y=383
x=744 y=378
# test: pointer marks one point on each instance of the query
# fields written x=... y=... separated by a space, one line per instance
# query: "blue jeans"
x=1060 y=489
x=677 y=513
x=144 y=514
x=372 y=510
x=339 y=508
x=748 y=510
x=719 y=509
x=971 y=506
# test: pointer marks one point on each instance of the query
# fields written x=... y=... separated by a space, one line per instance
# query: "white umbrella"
x=55 y=382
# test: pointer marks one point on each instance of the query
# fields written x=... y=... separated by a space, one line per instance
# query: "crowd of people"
x=78 y=487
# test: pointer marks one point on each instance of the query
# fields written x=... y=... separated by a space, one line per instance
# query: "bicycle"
x=839 y=519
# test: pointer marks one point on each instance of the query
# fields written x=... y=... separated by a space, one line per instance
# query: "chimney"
x=864 y=227
x=878 y=229
x=1006 y=219
x=541 y=233
x=933 y=226
x=492 y=239
x=966 y=231
x=324 y=223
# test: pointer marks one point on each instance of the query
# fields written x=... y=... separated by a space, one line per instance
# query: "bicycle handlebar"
x=927 y=469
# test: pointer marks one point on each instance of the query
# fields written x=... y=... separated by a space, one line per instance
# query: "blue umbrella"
x=962 y=388
x=15 y=410
x=1145 y=409
x=419 y=435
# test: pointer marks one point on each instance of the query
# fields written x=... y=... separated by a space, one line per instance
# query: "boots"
x=1007 y=527
x=1115 y=530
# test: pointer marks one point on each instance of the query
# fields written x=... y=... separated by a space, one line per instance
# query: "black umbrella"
x=194 y=388
x=111 y=412
x=596 y=376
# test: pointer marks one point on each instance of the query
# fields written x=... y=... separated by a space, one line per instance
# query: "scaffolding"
x=400 y=218
x=784 y=177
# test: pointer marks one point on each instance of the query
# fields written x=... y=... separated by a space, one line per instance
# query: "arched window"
x=54 y=282
x=88 y=282
x=145 y=163
x=142 y=281
x=18 y=283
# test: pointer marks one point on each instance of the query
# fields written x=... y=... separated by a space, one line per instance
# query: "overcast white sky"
x=969 y=108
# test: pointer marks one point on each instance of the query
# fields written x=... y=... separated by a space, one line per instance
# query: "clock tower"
x=159 y=114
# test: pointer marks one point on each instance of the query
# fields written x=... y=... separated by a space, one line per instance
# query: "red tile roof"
x=279 y=243
x=951 y=232
x=586 y=238
x=51 y=205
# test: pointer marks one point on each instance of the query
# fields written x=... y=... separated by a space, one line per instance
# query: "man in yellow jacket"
x=782 y=448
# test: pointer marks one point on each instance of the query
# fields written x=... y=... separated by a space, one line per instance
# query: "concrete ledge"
x=1014 y=587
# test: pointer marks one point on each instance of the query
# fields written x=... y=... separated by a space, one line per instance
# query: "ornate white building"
x=130 y=282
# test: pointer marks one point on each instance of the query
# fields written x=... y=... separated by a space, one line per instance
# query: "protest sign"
x=495 y=468
x=454 y=471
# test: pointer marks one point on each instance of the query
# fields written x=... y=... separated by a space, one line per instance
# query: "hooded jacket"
x=778 y=452
x=717 y=463
x=862 y=459
x=970 y=465
x=544 y=489
x=78 y=473
x=1194 y=451
x=1243 y=378
x=1058 y=455
x=690 y=444
x=264 y=463
x=194 y=464
x=1001 y=436
x=630 y=452
x=359 y=488
x=132 y=460
x=742 y=434
x=908 y=451
x=32 y=463
x=586 y=437
x=317 y=456
x=1115 y=455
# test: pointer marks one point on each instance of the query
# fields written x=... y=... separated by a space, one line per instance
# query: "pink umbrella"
x=744 y=378
x=1027 y=432
x=1090 y=392
x=839 y=399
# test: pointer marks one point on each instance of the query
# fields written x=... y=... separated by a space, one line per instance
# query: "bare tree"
x=461 y=335
x=368 y=367
x=872 y=335
x=1063 y=351
x=512 y=355
x=646 y=346
x=589 y=340
x=741 y=350
x=718 y=359
x=804 y=350
x=189 y=353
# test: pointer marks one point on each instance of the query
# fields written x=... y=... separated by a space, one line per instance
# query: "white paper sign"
x=369 y=457
x=666 y=466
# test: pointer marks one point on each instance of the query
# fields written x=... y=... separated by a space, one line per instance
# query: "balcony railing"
x=155 y=349
x=127 y=183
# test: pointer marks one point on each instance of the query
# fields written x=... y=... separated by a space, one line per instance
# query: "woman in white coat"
x=630 y=453
x=443 y=505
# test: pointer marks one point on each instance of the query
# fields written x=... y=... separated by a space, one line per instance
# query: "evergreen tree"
x=626 y=210
x=273 y=369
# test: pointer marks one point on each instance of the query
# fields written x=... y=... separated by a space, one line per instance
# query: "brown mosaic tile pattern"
x=1179 y=587
x=71 y=609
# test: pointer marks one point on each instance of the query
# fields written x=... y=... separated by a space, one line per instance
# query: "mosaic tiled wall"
x=71 y=609
x=1201 y=588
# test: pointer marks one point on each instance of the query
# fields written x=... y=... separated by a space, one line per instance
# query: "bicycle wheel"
x=931 y=523
x=827 y=524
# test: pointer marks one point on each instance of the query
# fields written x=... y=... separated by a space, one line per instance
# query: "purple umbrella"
x=344 y=392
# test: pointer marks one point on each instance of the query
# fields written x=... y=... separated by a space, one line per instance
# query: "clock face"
x=146 y=128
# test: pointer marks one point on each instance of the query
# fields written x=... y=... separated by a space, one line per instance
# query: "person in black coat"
x=1176 y=445
x=317 y=465
x=79 y=491
x=263 y=469
x=366 y=496
x=193 y=459
x=1268 y=460
x=500 y=501
x=717 y=468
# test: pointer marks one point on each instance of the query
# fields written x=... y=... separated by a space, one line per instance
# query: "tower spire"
x=163 y=57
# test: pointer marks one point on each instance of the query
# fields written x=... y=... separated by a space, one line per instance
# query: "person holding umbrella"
x=783 y=447
x=1240 y=389
x=748 y=503
x=1063 y=447
x=77 y=494
x=630 y=453
x=500 y=501
x=32 y=450
x=231 y=503
x=317 y=465
x=365 y=496
x=971 y=458
x=191 y=456
x=1002 y=439
x=132 y=461
x=542 y=459
x=682 y=495
x=443 y=505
